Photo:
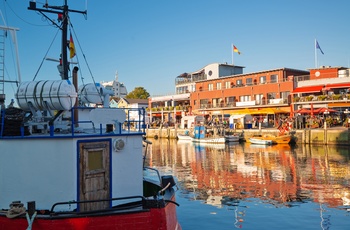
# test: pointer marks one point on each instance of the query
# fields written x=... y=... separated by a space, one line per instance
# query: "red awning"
x=308 y=89
x=338 y=85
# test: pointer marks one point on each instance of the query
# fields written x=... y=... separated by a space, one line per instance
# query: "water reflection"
x=280 y=175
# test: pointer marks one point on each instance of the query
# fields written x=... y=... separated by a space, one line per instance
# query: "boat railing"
x=152 y=174
x=133 y=202
x=104 y=124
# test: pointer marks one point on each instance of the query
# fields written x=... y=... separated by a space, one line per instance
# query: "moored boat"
x=210 y=140
x=184 y=137
x=282 y=139
x=260 y=140
x=232 y=138
x=66 y=165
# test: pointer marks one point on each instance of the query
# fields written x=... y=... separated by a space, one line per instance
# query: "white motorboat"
x=260 y=141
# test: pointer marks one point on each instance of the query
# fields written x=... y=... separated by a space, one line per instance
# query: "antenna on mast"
x=60 y=10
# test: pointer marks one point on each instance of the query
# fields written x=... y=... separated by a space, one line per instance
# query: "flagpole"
x=232 y=52
x=315 y=54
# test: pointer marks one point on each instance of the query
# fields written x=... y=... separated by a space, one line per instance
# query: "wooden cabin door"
x=94 y=174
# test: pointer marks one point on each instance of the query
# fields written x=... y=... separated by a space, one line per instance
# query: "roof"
x=301 y=72
x=338 y=85
x=308 y=89
x=136 y=101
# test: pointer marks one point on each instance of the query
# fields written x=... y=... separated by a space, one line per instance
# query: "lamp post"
x=346 y=112
x=325 y=113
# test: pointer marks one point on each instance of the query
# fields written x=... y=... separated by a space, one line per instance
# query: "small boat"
x=232 y=138
x=282 y=139
x=260 y=140
x=210 y=140
x=184 y=137
x=70 y=165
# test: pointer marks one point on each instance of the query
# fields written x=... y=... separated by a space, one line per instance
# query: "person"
x=254 y=122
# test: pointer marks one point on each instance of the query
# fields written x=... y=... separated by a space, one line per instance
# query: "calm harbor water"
x=257 y=187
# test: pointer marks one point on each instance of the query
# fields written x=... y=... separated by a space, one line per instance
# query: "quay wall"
x=339 y=136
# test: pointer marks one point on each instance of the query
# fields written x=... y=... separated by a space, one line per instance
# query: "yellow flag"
x=71 y=47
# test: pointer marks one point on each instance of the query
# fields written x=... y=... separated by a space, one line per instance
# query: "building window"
x=249 y=81
x=271 y=95
x=230 y=101
x=203 y=103
x=210 y=87
x=262 y=79
x=218 y=85
x=284 y=96
x=273 y=78
x=259 y=98
x=227 y=85
x=239 y=82
x=245 y=98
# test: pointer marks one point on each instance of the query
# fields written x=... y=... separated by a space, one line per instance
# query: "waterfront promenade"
x=331 y=136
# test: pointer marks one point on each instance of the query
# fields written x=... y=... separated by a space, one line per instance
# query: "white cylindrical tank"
x=46 y=95
x=90 y=93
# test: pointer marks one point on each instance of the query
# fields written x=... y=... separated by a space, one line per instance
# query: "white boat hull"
x=260 y=141
x=182 y=137
x=210 y=140
x=232 y=138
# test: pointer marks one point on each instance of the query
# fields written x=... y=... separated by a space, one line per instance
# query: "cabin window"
x=95 y=160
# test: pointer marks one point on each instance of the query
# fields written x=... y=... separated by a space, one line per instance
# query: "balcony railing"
x=280 y=101
x=322 y=98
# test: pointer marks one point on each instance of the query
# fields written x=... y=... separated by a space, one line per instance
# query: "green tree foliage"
x=138 y=93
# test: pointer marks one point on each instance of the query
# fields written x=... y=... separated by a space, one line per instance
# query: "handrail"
x=94 y=201
x=133 y=125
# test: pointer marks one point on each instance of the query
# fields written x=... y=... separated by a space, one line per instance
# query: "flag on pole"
x=236 y=50
x=318 y=47
x=71 y=47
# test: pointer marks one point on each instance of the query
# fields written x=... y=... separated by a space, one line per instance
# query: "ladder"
x=3 y=35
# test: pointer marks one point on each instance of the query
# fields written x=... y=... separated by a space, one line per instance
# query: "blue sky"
x=151 y=42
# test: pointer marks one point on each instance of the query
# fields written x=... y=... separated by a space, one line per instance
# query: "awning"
x=308 y=89
x=338 y=85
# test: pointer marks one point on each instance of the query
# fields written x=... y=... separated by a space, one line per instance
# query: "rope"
x=16 y=209
x=30 y=220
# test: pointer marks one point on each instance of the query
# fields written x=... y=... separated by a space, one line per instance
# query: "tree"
x=138 y=93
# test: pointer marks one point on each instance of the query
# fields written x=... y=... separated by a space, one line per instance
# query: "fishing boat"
x=201 y=136
x=68 y=165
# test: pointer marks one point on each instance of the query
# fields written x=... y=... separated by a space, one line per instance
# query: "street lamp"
x=325 y=113
x=347 y=117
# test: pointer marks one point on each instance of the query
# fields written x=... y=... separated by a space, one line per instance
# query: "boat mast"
x=59 y=10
